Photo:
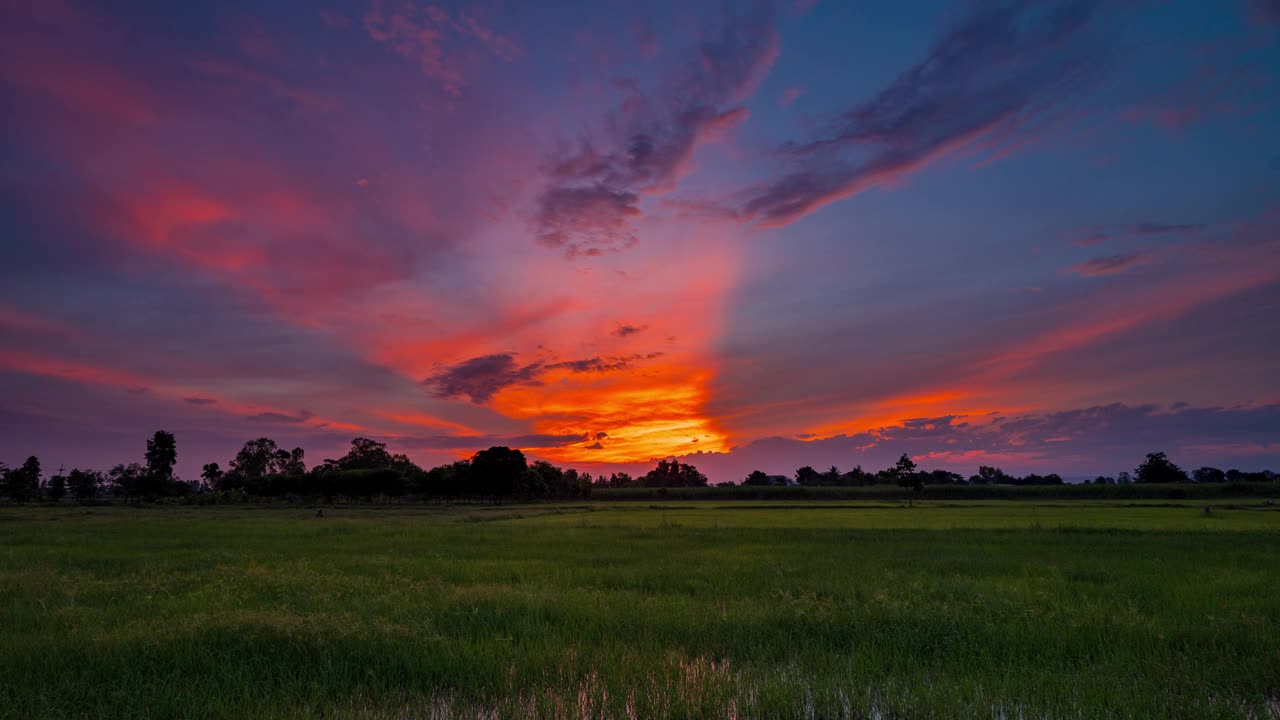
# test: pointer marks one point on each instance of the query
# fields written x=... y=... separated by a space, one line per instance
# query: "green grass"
x=963 y=609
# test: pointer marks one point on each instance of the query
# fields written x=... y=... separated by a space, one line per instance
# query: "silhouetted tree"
x=1158 y=469
x=857 y=476
x=84 y=484
x=212 y=475
x=365 y=454
x=162 y=455
x=57 y=488
x=256 y=459
x=498 y=471
x=757 y=477
x=673 y=473
x=22 y=484
x=904 y=472
x=1209 y=475
x=808 y=476
x=125 y=479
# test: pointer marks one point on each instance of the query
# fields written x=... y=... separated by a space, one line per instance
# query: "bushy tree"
x=808 y=476
x=498 y=471
x=365 y=454
x=256 y=459
x=757 y=477
x=22 y=484
x=126 y=480
x=211 y=474
x=84 y=484
x=673 y=473
x=1209 y=475
x=57 y=488
x=1158 y=469
x=161 y=456
x=904 y=473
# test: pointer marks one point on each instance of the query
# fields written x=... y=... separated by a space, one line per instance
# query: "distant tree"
x=1158 y=469
x=673 y=473
x=498 y=471
x=162 y=455
x=992 y=475
x=365 y=454
x=757 y=477
x=943 y=477
x=808 y=476
x=258 y=458
x=57 y=488
x=1103 y=480
x=1234 y=475
x=1209 y=475
x=831 y=476
x=1123 y=478
x=84 y=484
x=857 y=476
x=211 y=474
x=904 y=472
x=125 y=480
x=22 y=484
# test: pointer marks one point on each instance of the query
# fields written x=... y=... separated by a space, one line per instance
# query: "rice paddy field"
x=627 y=610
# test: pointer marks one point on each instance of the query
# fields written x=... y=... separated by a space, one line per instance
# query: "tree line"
x=263 y=469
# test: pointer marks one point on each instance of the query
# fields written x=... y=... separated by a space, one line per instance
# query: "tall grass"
x=565 y=613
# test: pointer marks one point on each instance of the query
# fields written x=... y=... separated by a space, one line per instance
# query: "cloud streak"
x=992 y=76
x=480 y=378
x=594 y=185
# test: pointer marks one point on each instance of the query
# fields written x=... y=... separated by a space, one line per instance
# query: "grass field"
x=963 y=609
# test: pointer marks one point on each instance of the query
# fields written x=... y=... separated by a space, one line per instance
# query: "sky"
x=1039 y=235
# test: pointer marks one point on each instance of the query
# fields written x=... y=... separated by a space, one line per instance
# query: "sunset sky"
x=1040 y=235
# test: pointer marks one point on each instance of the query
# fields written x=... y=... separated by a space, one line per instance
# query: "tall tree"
x=162 y=455
x=23 y=483
x=904 y=472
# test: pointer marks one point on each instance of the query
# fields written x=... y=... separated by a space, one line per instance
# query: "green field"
x=991 y=609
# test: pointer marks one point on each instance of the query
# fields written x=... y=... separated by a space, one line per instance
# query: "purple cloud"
x=1099 y=439
x=594 y=187
x=628 y=330
x=992 y=76
x=1110 y=264
x=1155 y=228
x=480 y=378
x=278 y=417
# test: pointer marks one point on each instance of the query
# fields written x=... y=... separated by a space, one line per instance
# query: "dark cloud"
x=1110 y=264
x=1088 y=441
x=993 y=75
x=594 y=185
x=480 y=378
x=1155 y=228
x=278 y=417
x=628 y=330
x=199 y=401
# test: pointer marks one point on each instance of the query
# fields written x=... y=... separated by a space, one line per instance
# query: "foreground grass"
x=735 y=610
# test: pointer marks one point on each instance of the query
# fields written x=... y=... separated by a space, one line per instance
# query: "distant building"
x=782 y=480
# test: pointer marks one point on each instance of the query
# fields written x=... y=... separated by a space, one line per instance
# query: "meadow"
x=992 y=609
